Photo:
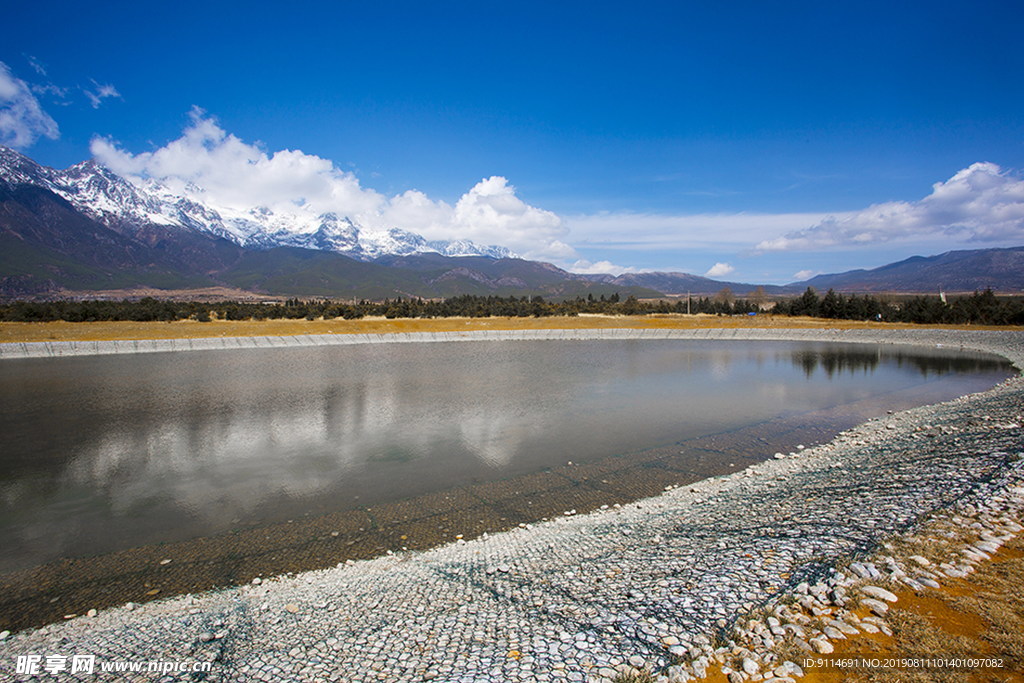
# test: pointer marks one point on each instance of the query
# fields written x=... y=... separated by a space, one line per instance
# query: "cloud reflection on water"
x=174 y=445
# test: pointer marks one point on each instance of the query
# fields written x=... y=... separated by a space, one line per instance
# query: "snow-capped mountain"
x=127 y=207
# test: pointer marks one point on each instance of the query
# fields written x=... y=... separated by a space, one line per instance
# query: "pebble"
x=822 y=646
x=833 y=633
x=876 y=606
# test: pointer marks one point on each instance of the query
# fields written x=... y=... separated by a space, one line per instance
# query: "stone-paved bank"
x=652 y=584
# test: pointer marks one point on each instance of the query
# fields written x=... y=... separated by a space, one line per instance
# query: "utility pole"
x=687 y=302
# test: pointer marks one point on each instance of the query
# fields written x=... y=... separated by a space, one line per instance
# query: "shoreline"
x=579 y=595
x=62 y=331
x=986 y=341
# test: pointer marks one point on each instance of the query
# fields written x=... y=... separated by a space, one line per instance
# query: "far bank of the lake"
x=187 y=329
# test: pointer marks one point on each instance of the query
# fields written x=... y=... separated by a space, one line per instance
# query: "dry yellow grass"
x=187 y=329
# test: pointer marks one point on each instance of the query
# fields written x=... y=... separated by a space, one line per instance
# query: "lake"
x=106 y=453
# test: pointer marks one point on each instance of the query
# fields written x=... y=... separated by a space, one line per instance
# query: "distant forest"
x=980 y=308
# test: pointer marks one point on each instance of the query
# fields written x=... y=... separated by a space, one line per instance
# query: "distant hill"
x=954 y=271
x=307 y=272
x=682 y=284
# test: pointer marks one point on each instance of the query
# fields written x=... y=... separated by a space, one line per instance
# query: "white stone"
x=822 y=646
x=878 y=593
x=876 y=606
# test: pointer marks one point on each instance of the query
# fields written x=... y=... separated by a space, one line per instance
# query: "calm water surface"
x=109 y=452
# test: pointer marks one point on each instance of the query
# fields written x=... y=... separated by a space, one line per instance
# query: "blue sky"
x=750 y=140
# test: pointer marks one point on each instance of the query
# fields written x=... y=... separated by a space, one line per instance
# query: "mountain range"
x=971 y=270
x=86 y=229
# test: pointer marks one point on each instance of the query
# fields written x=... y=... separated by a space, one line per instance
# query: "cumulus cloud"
x=212 y=165
x=22 y=119
x=492 y=211
x=981 y=203
x=805 y=275
x=99 y=93
x=719 y=270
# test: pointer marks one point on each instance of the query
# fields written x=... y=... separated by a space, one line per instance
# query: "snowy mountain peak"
x=127 y=206
x=18 y=169
x=467 y=248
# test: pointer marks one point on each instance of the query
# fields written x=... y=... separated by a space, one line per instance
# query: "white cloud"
x=211 y=165
x=50 y=89
x=652 y=231
x=36 y=65
x=493 y=214
x=100 y=93
x=585 y=267
x=490 y=213
x=22 y=120
x=214 y=166
x=805 y=275
x=981 y=203
x=719 y=270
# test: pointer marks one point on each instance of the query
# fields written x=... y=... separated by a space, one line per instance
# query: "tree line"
x=979 y=308
x=469 y=306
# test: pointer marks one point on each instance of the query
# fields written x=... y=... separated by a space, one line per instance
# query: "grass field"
x=188 y=329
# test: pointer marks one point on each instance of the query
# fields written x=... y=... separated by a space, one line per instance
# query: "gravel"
x=656 y=585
